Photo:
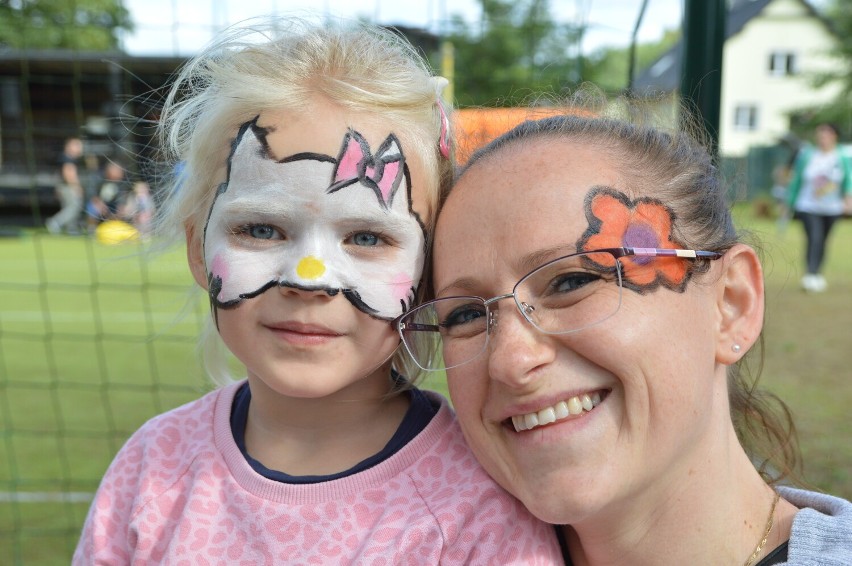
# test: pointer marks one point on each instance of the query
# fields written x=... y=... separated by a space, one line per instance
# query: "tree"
x=63 y=24
x=517 y=51
x=608 y=67
x=839 y=18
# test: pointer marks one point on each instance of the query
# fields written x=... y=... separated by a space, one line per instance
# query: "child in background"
x=315 y=156
x=139 y=208
x=108 y=201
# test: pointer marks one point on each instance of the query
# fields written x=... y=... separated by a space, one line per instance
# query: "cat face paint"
x=314 y=222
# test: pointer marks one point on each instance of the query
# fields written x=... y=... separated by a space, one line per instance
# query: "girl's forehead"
x=321 y=129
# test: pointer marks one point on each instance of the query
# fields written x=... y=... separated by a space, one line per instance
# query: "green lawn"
x=95 y=339
x=807 y=349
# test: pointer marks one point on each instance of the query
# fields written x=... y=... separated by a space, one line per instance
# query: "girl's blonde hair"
x=284 y=64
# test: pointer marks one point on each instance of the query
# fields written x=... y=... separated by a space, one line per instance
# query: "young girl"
x=314 y=159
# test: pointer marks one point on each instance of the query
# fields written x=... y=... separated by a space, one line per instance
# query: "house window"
x=10 y=97
x=782 y=63
x=745 y=117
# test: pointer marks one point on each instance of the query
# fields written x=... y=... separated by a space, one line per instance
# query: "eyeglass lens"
x=563 y=296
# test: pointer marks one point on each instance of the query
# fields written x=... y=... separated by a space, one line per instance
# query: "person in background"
x=315 y=156
x=781 y=174
x=109 y=200
x=595 y=304
x=138 y=208
x=69 y=191
x=820 y=192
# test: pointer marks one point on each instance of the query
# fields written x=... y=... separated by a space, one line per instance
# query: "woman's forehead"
x=530 y=187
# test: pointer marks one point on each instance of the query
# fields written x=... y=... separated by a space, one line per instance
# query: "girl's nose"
x=310 y=268
x=308 y=281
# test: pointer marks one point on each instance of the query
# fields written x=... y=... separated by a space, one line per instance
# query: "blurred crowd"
x=98 y=189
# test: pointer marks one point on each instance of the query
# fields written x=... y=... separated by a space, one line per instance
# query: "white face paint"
x=311 y=221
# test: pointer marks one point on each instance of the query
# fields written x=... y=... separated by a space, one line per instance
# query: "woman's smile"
x=571 y=408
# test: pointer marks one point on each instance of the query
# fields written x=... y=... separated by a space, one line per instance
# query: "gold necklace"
x=769 y=522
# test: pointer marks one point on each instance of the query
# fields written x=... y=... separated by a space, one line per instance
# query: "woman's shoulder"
x=822 y=529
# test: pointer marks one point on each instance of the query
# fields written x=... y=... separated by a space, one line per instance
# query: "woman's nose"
x=516 y=348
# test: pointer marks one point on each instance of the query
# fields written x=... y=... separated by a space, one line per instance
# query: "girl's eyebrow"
x=255 y=206
x=357 y=219
x=380 y=220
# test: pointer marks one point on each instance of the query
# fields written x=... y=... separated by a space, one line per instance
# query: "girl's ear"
x=740 y=303
x=195 y=257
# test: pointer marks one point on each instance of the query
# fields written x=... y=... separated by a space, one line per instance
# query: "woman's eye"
x=572 y=281
x=365 y=239
x=463 y=315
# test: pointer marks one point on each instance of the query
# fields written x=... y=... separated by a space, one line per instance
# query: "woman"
x=820 y=192
x=598 y=379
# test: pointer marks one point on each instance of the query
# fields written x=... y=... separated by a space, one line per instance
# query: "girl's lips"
x=573 y=407
x=305 y=334
x=303 y=328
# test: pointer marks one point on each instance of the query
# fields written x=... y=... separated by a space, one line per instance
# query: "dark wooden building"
x=110 y=100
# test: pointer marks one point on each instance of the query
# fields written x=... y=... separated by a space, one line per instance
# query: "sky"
x=181 y=27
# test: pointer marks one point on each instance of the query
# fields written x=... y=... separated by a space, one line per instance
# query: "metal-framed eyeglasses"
x=562 y=296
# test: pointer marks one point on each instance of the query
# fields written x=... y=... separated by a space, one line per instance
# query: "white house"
x=772 y=50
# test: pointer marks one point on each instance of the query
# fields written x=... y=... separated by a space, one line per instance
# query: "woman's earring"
x=736 y=348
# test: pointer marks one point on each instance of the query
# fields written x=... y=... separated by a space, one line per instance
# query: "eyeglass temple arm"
x=417 y=327
x=657 y=252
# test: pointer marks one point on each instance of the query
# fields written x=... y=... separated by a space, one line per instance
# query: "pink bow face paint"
x=315 y=222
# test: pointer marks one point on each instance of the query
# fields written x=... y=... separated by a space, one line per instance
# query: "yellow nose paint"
x=310 y=268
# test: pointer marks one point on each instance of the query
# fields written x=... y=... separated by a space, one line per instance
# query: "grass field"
x=94 y=340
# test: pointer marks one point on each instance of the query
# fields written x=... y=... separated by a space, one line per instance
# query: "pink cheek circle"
x=219 y=268
x=401 y=285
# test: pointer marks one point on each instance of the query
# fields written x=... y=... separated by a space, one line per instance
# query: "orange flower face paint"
x=616 y=221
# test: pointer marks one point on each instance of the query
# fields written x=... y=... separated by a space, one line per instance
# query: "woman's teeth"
x=562 y=410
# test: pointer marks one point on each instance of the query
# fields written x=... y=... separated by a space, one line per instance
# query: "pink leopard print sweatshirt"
x=180 y=492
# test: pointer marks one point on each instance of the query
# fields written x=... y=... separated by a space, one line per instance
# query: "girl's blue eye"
x=261 y=231
x=365 y=239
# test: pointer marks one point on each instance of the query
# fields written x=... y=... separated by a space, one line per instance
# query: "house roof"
x=664 y=74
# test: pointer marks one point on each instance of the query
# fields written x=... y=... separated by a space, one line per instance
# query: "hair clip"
x=444 y=140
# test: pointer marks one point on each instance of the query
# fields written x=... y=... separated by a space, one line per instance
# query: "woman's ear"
x=195 y=257
x=740 y=303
